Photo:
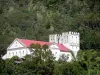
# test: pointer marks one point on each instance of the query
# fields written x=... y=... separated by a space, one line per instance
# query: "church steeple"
x=71 y=39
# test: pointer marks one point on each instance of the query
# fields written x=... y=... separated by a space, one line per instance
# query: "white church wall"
x=55 y=38
x=56 y=53
x=4 y=57
x=21 y=52
x=55 y=50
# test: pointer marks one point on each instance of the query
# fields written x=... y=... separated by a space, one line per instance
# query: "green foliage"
x=36 y=19
x=42 y=60
x=14 y=58
x=63 y=58
x=66 y=68
x=89 y=60
x=35 y=46
x=45 y=47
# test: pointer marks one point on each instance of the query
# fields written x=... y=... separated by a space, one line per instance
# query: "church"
x=59 y=44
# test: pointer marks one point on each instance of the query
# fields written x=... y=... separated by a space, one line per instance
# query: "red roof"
x=29 y=42
x=63 y=48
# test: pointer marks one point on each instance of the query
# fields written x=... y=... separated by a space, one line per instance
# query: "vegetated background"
x=36 y=19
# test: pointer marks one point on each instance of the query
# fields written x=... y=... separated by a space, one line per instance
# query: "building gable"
x=16 y=44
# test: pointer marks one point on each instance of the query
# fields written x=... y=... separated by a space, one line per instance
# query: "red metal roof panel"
x=29 y=42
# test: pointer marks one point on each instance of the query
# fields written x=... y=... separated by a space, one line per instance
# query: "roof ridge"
x=40 y=41
x=33 y=40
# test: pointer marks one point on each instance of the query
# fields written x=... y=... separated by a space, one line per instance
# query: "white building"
x=59 y=44
x=71 y=40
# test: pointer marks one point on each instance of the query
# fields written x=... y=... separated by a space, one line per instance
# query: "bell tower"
x=69 y=39
x=74 y=42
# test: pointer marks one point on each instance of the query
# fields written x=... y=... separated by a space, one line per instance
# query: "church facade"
x=59 y=44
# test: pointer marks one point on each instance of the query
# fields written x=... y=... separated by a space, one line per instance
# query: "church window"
x=16 y=44
x=67 y=56
x=72 y=37
x=9 y=54
x=76 y=39
x=67 y=39
x=62 y=40
x=23 y=52
x=55 y=53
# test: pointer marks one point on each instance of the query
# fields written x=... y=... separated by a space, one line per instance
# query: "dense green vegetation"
x=36 y=19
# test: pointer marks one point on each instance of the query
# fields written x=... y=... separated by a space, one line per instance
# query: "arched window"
x=55 y=52
x=67 y=39
x=67 y=56
x=20 y=53
x=23 y=52
x=72 y=37
x=16 y=53
x=9 y=54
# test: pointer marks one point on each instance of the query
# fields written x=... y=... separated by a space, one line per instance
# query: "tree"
x=63 y=58
x=88 y=60
x=42 y=60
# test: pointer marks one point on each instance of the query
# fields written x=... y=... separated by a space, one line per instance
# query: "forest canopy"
x=36 y=19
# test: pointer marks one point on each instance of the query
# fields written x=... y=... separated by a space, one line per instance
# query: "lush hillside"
x=36 y=19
